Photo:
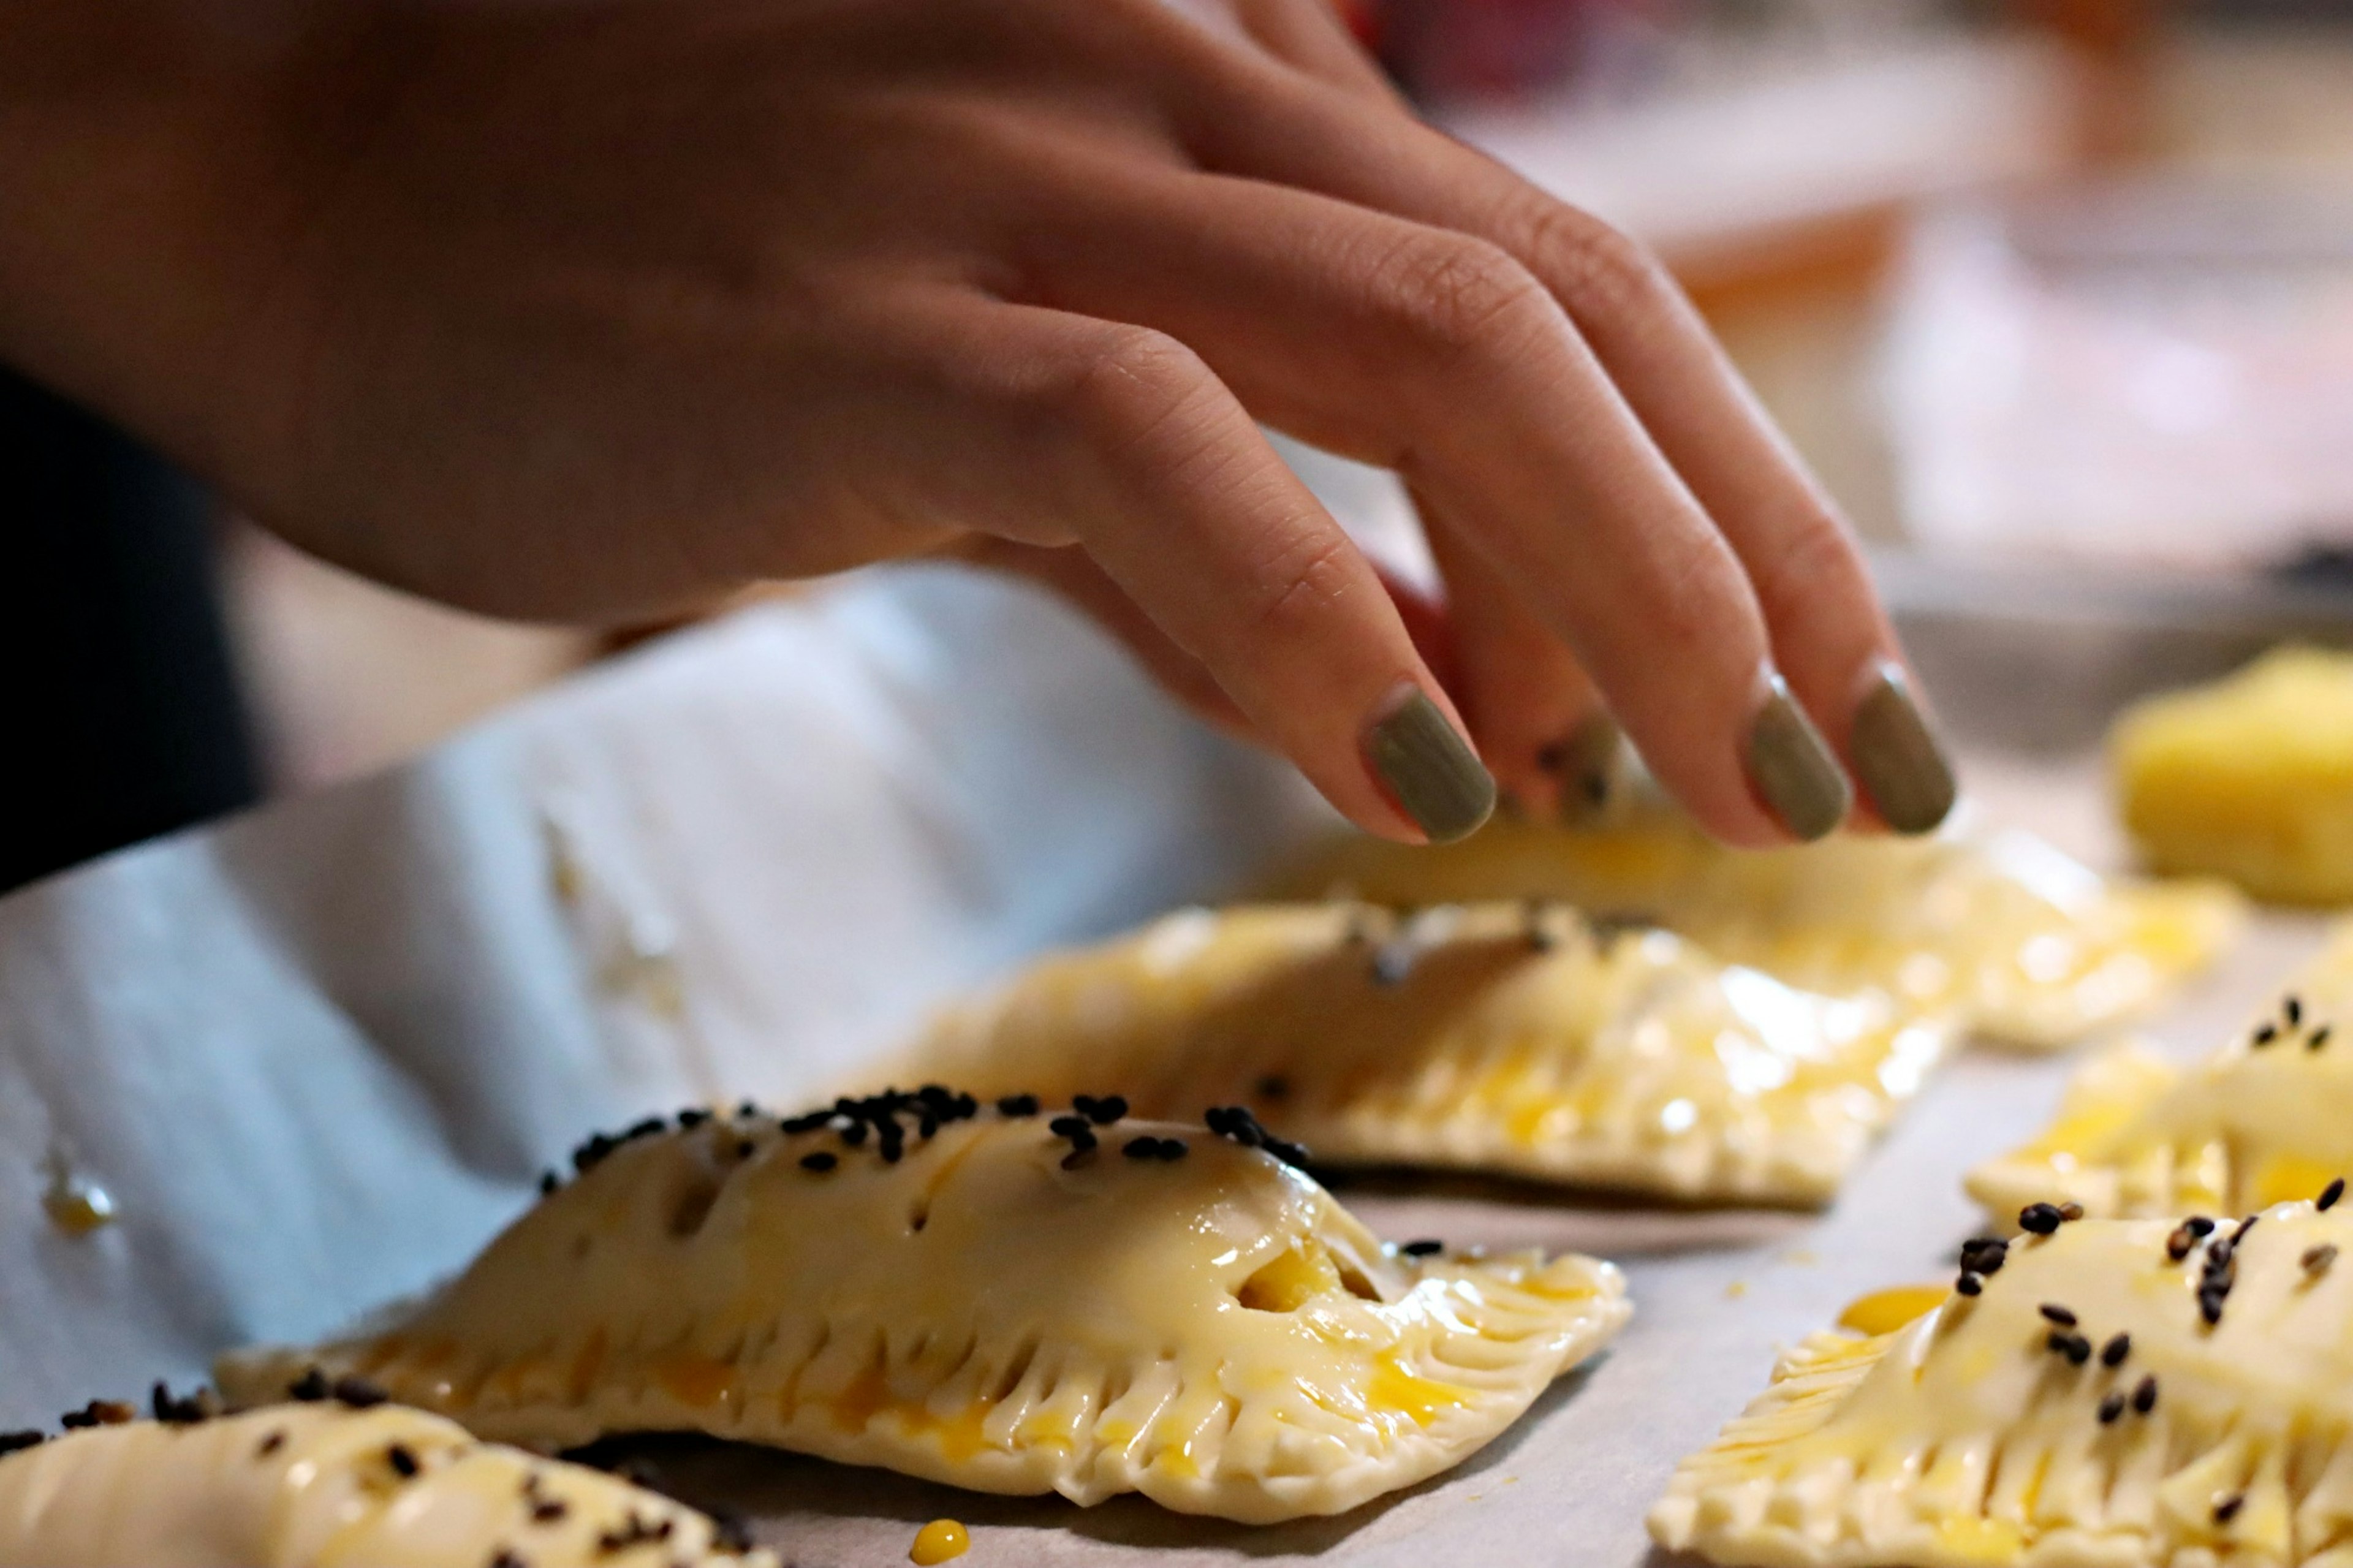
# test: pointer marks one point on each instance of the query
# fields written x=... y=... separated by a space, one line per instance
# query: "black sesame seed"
x=2071 y=1211
x=2058 y=1314
x=401 y=1459
x=1274 y=1086
x=2209 y=1305
x=1174 y=1149
x=548 y=1182
x=2317 y=1259
x=2112 y=1406
x=853 y=1133
x=747 y=1109
x=819 y=1161
x=2144 y=1399
x=1422 y=1248
x=1107 y=1110
x=2178 y=1244
x=2113 y=1353
x=928 y=1126
x=1983 y=1254
x=357 y=1393
x=309 y=1388
x=505 y=1557
x=646 y=1129
x=1145 y=1148
x=807 y=1121
x=2075 y=1347
x=2245 y=1225
x=1969 y=1284
x=2293 y=1010
x=2228 y=1508
x=1017 y=1105
x=2318 y=1039
x=1068 y=1126
x=745 y=1148
x=270 y=1445
x=27 y=1437
x=692 y=1117
x=2197 y=1224
x=2330 y=1194
x=547 y=1510
x=2043 y=1219
x=2266 y=1036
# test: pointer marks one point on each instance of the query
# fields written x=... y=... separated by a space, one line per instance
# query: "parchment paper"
x=317 y=1055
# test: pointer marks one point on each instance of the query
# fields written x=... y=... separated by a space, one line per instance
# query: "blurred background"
x=2057 y=297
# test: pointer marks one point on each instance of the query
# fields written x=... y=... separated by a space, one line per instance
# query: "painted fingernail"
x=1590 y=764
x=1431 y=768
x=1793 y=769
x=1897 y=756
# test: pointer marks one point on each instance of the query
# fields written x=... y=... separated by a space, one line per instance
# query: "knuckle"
x=1129 y=388
x=1599 y=269
x=1302 y=580
x=1464 y=296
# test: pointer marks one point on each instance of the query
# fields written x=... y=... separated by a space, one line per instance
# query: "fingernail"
x=1431 y=768
x=1793 y=769
x=1590 y=764
x=1898 y=757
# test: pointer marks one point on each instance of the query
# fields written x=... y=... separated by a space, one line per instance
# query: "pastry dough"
x=2081 y=1410
x=2027 y=946
x=2249 y=778
x=1500 y=1037
x=1013 y=1304
x=320 y=1484
x=2267 y=1118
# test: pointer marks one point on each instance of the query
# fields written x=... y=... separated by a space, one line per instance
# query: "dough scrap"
x=1008 y=1305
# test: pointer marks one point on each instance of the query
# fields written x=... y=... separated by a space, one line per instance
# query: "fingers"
x=1436 y=354
x=1184 y=507
x=1827 y=630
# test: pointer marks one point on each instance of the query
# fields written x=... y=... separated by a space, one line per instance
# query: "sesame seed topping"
x=745 y=1148
x=547 y=1510
x=2197 y=1224
x=27 y=1437
x=2209 y=1304
x=2228 y=1508
x=2043 y=1219
x=2075 y=1347
x=505 y=1557
x=2144 y=1399
x=2071 y=1211
x=270 y=1444
x=2317 y=1038
x=403 y=1460
x=2112 y=1406
x=2245 y=1225
x=2178 y=1244
x=309 y=1388
x=2329 y=1195
x=357 y=1393
x=2265 y=1035
x=2058 y=1314
x=1101 y=1112
x=1422 y=1248
x=2317 y=1259
x=819 y=1161
x=2113 y=1353
x=2292 y=1009
x=201 y=1405
x=1144 y=1148
x=807 y=1121
x=692 y=1117
x=1983 y=1254
x=98 y=1413
x=1017 y=1105
x=548 y=1182
x=1070 y=1126
x=1969 y=1284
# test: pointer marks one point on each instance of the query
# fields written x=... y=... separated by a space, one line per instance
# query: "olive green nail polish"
x=1793 y=769
x=1590 y=762
x=1430 y=769
x=1897 y=756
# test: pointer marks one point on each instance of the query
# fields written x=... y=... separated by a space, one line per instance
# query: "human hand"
x=591 y=308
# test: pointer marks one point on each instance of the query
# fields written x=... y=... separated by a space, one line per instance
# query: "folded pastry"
x=321 y=1483
x=2267 y=1118
x=2028 y=946
x=1000 y=1299
x=1515 y=1038
x=2115 y=1393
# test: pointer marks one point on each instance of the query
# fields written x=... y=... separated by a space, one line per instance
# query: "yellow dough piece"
x=1513 y=1038
x=2085 y=1410
x=2025 y=944
x=998 y=1305
x=2249 y=778
x=2266 y=1119
x=318 y=1485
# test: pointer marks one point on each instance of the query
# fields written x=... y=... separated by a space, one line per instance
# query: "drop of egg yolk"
x=939 y=1541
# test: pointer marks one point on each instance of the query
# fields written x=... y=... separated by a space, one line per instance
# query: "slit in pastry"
x=2116 y=1392
x=1522 y=1039
x=1091 y=1305
x=321 y=1484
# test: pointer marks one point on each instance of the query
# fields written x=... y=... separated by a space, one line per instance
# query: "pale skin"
x=590 y=309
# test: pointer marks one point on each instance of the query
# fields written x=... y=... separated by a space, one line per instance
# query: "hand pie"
x=2025 y=944
x=2266 y=1119
x=316 y=1485
x=989 y=1298
x=2119 y=1392
x=1500 y=1037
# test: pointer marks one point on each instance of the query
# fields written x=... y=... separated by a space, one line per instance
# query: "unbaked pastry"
x=1501 y=1037
x=995 y=1298
x=2028 y=946
x=2266 y=1119
x=321 y=1484
x=2118 y=1392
